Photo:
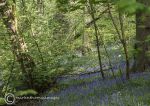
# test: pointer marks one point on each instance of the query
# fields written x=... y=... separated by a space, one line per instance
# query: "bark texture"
x=19 y=47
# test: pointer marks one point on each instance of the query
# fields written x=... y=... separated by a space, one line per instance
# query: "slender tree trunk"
x=96 y=36
x=122 y=39
x=109 y=61
x=83 y=36
x=124 y=43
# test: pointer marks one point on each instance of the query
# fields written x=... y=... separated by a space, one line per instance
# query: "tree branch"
x=96 y=19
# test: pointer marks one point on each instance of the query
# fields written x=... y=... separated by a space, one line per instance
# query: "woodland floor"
x=82 y=89
x=91 y=90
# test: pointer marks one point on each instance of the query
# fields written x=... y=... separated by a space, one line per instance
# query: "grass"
x=135 y=92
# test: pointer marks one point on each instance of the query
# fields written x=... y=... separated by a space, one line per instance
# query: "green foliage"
x=28 y=92
x=2 y=102
x=132 y=6
x=145 y=99
x=50 y=40
x=129 y=6
x=57 y=33
x=62 y=5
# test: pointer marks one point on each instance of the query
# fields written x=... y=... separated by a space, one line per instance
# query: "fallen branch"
x=80 y=74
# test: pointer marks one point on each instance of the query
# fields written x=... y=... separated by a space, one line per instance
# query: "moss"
x=26 y=92
x=2 y=102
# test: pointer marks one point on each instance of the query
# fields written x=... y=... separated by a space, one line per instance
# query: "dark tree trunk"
x=142 y=60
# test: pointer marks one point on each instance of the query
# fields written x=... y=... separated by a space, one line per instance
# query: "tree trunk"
x=124 y=44
x=18 y=44
x=121 y=36
x=97 y=38
x=142 y=35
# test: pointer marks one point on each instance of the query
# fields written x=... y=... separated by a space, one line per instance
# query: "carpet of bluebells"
x=92 y=90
